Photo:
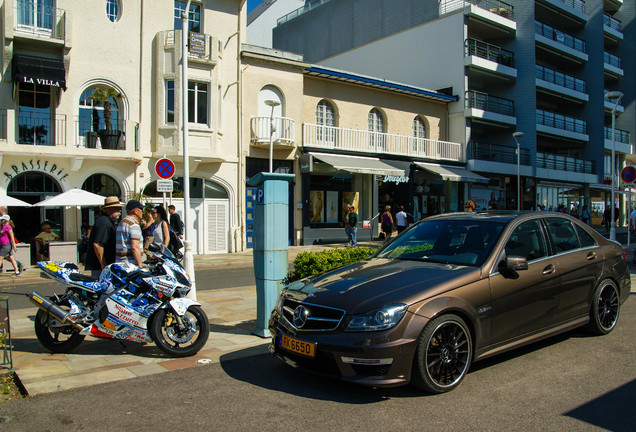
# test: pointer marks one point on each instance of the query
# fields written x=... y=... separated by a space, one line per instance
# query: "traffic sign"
x=164 y=168
x=165 y=185
x=628 y=174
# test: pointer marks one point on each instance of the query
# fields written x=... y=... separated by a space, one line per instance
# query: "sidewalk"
x=232 y=315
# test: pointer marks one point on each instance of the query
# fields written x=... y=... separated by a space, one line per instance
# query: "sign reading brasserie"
x=36 y=165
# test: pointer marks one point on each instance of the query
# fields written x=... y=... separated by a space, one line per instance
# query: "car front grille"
x=316 y=317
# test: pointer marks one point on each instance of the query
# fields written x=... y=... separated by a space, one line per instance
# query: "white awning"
x=358 y=164
x=452 y=173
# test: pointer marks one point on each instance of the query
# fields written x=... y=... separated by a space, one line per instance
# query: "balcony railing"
x=560 y=79
x=622 y=136
x=612 y=60
x=486 y=102
x=611 y=101
x=497 y=153
x=39 y=19
x=86 y=137
x=612 y=22
x=495 y=6
x=559 y=36
x=559 y=121
x=285 y=130
x=564 y=163
x=490 y=52
x=363 y=141
x=301 y=10
x=578 y=5
x=38 y=129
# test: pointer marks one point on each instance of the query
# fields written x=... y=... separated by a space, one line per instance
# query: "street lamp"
x=613 y=95
x=516 y=135
x=272 y=129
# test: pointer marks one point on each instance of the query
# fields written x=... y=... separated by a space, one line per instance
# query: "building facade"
x=543 y=68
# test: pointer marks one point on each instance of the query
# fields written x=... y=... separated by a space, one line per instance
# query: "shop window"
x=326 y=121
x=112 y=10
x=194 y=16
x=376 y=130
x=35 y=115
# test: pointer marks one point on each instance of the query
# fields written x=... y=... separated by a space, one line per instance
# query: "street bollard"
x=188 y=262
x=271 y=227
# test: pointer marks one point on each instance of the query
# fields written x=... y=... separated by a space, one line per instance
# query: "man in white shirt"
x=401 y=219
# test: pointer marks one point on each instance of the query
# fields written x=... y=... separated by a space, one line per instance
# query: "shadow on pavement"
x=609 y=411
x=94 y=347
x=268 y=372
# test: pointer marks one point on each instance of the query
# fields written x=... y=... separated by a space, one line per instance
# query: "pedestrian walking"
x=401 y=219
x=161 y=232
x=351 y=225
x=175 y=221
x=128 y=239
x=7 y=243
x=585 y=214
x=101 y=241
x=387 y=223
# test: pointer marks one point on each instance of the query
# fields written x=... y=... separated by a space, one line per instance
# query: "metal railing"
x=38 y=19
x=363 y=141
x=486 y=102
x=561 y=79
x=559 y=36
x=612 y=22
x=559 y=121
x=622 y=136
x=495 y=6
x=285 y=129
x=301 y=10
x=86 y=136
x=490 y=52
x=38 y=129
x=612 y=60
x=497 y=153
x=578 y=5
x=5 y=333
x=564 y=163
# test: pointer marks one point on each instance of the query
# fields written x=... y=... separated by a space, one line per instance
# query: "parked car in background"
x=448 y=291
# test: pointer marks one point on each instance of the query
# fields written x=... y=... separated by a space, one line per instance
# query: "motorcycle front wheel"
x=55 y=337
x=180 y=338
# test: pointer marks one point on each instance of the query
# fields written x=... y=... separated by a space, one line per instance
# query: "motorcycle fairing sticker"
x=144 y=306
x=121 y=330
x=124 y=313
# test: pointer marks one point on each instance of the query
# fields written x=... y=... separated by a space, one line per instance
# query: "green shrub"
x=311 y=263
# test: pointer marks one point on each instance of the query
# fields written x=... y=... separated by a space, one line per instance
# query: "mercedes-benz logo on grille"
x=300 y=316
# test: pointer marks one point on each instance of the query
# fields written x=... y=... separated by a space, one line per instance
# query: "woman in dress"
x=387 y=223
x=161 y=233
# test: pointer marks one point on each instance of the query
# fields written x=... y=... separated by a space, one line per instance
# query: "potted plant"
x=91 y=136
x=108 y=137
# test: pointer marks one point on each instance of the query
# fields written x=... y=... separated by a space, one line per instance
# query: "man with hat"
x=128 y=235
x=101 y=242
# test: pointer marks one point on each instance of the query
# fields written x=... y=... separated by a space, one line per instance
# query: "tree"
x=102 y=96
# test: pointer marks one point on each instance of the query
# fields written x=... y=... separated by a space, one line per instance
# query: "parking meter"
x=271 y=227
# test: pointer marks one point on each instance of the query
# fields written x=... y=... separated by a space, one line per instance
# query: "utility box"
x=271 y=227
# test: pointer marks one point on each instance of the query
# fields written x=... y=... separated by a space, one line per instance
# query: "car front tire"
x=443 y=355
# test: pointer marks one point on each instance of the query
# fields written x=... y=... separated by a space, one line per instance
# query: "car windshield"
x=462 y=242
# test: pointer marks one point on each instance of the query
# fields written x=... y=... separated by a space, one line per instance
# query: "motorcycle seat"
x=78 y=277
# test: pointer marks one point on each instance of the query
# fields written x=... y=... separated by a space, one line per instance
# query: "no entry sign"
x=628 y=174
x=164 y=168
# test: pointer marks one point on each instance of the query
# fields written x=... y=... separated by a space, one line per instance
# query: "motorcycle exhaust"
x=52 y=309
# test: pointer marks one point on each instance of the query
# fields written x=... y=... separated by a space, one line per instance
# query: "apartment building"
x=544 y=68
x=91 y=98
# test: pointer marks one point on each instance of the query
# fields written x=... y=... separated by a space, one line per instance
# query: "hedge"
x=311 y=263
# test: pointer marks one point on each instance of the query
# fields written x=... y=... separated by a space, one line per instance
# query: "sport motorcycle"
x=127 y=302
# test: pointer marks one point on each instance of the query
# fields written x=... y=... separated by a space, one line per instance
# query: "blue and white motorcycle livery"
x=126 y=302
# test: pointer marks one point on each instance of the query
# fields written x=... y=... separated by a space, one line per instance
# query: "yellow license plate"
x=297 y=346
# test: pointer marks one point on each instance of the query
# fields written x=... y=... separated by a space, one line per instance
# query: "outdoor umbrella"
x=8 y=201
x=73 y=197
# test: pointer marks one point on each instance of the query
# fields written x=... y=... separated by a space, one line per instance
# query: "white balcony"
x=283 y=135
x=362 y=141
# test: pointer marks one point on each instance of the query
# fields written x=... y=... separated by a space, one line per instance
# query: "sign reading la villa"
x=41 y=81
x=36 y=165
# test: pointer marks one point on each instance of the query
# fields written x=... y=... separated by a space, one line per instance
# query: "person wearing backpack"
x=175 y=221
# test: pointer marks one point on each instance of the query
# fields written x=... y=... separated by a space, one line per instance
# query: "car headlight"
x=378 y=319
x=279 y=302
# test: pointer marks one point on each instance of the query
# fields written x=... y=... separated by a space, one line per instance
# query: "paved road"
x=207 y=279
x=573 y=382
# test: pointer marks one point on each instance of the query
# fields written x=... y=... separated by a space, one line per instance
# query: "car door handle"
x=591 y=256
x=549 y=270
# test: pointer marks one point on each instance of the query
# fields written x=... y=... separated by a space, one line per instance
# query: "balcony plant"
x=108 y=137
x=91 y=135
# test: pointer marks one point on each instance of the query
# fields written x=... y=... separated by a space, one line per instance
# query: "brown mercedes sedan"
x=450 y=290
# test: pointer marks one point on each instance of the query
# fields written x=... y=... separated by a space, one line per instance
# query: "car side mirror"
x=517 y=263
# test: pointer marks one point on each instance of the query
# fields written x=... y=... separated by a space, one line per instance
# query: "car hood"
x=363 y=286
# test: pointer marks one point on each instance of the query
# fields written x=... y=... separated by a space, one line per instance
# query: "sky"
x=251 y=4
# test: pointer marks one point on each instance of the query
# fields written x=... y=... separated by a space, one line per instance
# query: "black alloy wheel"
x=605 y=308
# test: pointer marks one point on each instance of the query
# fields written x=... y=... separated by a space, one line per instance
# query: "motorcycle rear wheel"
x=61 y=339
x=180 y=342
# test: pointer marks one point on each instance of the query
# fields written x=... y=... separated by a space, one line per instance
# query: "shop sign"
x=341 y=176
x=35 y=165
x=395 y=179
x=197 y=44
x=41 y=81
x=306 y=163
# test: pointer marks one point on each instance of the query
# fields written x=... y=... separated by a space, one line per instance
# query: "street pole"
x=613 y=95
x=272 y=129
x=187 y=231
x=515 y=136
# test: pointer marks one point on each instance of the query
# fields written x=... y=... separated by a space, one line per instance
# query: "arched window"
x=419 y=134
x=112 y=10
x=199 y=188
x=97 y=105
x=102 y=184
x=326 y=121
x=376 y=130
